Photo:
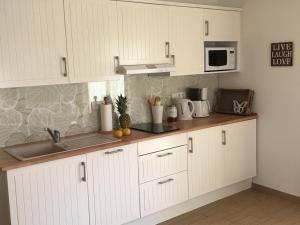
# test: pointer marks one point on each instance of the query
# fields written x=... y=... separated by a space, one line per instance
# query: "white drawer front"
x=163 y=143
x=163 y=163
x=163 y=193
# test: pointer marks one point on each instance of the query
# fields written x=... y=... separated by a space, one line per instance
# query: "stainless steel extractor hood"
x=145 y=69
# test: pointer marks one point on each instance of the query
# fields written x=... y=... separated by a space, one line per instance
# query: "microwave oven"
x=220 y=59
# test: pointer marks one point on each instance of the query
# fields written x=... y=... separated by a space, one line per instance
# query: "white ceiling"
x=230 y=3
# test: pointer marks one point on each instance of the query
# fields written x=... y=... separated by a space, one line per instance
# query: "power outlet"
x=178 y=95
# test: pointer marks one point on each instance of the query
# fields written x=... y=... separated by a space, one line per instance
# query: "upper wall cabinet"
x=92 y=33
x=186 y=40
x=221 y=25
x=32 y=43
x=143 y=33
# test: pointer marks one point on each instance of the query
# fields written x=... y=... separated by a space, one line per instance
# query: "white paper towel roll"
x=106 y=117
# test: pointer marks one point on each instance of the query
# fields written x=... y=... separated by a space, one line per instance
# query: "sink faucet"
x=55 y=134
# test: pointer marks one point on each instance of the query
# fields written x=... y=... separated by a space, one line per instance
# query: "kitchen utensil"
x=157 y=114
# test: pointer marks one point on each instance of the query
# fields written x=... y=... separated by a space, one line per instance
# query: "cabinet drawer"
x=163 y=163
x=163 y=193
x=163 y=143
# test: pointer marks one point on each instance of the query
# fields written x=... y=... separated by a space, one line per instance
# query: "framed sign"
x=282 y=54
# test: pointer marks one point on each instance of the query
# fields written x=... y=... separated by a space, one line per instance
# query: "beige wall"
x=277 y=90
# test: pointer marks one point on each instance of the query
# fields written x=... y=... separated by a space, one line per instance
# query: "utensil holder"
x=157 y=114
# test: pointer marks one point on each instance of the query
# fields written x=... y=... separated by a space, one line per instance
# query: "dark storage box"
x=234 y=101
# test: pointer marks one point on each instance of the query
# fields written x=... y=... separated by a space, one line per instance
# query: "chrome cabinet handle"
x=114 y=152
x=167 y=49
x=116 y=63
x=166 y=181
x=224 y=142
x=191 y=148
x=206 y=28
x=164 y=155
x=173 y=59
x=64 y=66
x=83 y=178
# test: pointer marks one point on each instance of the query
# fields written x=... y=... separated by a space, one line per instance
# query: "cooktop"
x=154 y=128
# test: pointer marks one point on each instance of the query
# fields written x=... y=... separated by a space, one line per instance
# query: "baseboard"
x=281 y=194
x=193 y=204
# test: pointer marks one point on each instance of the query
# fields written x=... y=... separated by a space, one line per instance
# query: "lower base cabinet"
x=104 y=187
x=163 y=193
x=239 y=145
x=205 y=161
x=51 y=193
x=99 y=188
x=221 y=156
x=113 y=186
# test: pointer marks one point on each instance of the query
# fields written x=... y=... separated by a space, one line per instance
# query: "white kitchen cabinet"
x=163 y=193
x=92 y=37
x=222 y=25
x=113 y=186
x=239 y=145
x=186 y=40
x=221 y=156
x=163 y=143
x=163 y=163
x=32 y=45
x=143 y=33
x=205 y=161
x=49 y=193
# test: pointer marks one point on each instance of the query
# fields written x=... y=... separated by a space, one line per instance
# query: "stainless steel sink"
x=40 y=149
x=34 y=150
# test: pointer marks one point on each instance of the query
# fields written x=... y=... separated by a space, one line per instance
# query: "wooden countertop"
x=7 y=162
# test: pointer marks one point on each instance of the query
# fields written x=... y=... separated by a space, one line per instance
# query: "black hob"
x=154 y=128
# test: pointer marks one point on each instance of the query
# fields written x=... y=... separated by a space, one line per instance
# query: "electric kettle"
x=185 y=109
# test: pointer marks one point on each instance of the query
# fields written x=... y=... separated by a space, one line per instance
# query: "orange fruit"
x=118 y=133
x=127 y=132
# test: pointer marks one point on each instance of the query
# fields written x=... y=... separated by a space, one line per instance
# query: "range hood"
x=145 y=69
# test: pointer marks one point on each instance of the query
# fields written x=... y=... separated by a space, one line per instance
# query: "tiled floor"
x=250 y=207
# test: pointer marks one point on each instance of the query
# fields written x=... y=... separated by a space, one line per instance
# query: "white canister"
x=106 y=117
x=157 y=114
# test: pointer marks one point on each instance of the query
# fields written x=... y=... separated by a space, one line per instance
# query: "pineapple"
x=122 y=105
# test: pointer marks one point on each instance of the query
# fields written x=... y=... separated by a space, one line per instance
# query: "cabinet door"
x=206 y=161
x=143 y=33
x=113 y=186
x=51 y=193
x=186 y=40
x=163 y=193
x=163 y=163
x=239 y=144
x=92 y=39
x=33 y=43
x=221 y=25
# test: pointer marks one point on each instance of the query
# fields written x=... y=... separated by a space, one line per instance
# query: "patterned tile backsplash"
x=24 y=112
x=139 y=88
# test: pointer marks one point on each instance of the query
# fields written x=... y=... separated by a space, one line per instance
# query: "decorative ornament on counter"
x=240 y=108
x=282 y=54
